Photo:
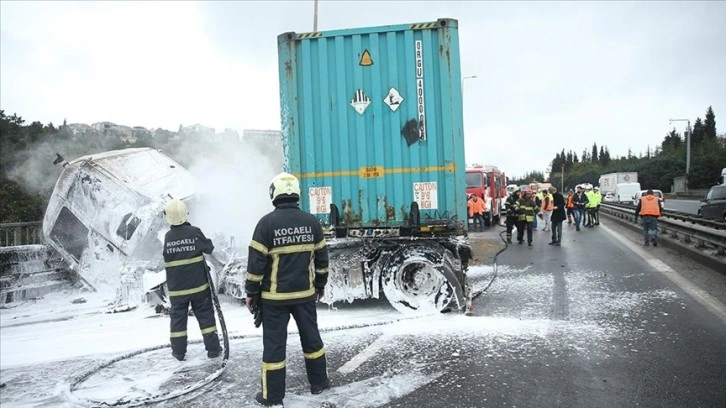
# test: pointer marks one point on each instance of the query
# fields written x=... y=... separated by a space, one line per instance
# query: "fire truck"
x=489 y=184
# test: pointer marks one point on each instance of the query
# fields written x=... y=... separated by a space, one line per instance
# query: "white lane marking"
x=709 y=302
x=361 y=357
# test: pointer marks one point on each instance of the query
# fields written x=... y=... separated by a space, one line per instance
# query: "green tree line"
x=656 y=167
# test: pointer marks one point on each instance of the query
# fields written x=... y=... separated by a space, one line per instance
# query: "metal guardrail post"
x=21 y=233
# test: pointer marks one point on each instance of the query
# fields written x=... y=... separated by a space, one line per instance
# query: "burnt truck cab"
x=105 y=216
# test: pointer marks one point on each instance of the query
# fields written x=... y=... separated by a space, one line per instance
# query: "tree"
x=709 y=125
x=593 y=157
x=698 y=133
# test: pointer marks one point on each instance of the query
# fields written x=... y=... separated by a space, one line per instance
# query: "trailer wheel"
x=421 y=279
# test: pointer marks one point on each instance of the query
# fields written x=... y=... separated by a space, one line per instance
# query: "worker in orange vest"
x=476 y=211
x=570 y=206
x=649 y=208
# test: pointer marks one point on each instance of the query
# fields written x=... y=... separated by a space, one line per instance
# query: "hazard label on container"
x=393 y=99
x=365 y=59
x=370 y=172
x=426 y=195
x=360 y=101
x=320 y=199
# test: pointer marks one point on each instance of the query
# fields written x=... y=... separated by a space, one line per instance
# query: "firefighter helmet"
x=284 y=185
x=176 y=212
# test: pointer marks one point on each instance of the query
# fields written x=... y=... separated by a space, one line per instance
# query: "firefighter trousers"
x=511 y=222
x=203 y=308
x=275 y=319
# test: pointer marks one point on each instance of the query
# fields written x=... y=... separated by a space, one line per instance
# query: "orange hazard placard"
x=365 y=59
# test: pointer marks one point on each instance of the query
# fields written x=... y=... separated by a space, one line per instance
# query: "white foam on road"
x=709 y=302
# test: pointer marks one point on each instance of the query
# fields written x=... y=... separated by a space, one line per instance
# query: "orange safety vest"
x=650 y=205
x=570 y=204
x=547 y=202
x=475 y=207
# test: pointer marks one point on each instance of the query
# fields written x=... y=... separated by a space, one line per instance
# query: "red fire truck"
x=489 y=184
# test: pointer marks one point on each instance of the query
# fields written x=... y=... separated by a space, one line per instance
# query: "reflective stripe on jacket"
x=526 y=209
x=288 y=256
x=186 y=271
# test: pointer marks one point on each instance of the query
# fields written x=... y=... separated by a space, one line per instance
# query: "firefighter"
x=476 y=209
x=287 y=270
x=509 y=205
x=527 y=210
x=186 y=279
x=649 y=208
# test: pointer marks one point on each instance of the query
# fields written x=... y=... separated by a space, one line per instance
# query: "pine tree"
x=593 y=158
x=710 y=125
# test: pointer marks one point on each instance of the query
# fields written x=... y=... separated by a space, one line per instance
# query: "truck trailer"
x=607 y=182
x=372 y=126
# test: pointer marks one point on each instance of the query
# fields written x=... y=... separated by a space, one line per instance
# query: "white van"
x=624 y=192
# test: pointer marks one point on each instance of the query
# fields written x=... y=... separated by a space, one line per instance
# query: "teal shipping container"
x=372 y=123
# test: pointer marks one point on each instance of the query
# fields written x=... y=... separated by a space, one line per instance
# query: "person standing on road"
x=570 y=206
x=649 y=208
x=526 y=210
x=590 y=208
x=546 y=207
x=580 y=202
x=511 y=213
x=558 y=215
x=476 y=209
x=287 y=270
x=186 y=279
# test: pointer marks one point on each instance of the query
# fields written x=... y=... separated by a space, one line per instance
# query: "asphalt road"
x=687 y=206
x=597 y=322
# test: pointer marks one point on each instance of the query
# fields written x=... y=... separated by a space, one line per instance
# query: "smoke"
x=235 y=178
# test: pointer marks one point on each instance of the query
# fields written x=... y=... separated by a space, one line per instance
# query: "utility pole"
x=315 y=17
x=688 y=144
x=562 y=185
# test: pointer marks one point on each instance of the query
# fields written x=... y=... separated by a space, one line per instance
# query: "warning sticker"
x=393 y=99
x=320 y=199
x=365 y=59
x=370 y=172
x=360 y=101
x=426 y=195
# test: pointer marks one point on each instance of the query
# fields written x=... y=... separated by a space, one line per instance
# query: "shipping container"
x=608 y=182
x=372 y=127
x=372 y=122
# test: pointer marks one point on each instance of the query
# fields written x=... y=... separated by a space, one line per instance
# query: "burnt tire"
x=423 y=279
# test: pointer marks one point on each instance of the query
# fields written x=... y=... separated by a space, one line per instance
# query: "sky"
x=549 y=75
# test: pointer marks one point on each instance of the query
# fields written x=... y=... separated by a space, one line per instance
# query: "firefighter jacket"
x=288 y=257
x=580 y=200
x=475 y=206
x=509 y=205
x=186 y=270
x=526 y=209
x=648 y=205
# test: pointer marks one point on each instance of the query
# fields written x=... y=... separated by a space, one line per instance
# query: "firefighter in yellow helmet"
x=287 y=269
x=186 y=279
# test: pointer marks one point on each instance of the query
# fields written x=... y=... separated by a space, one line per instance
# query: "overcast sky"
x=549 y=75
